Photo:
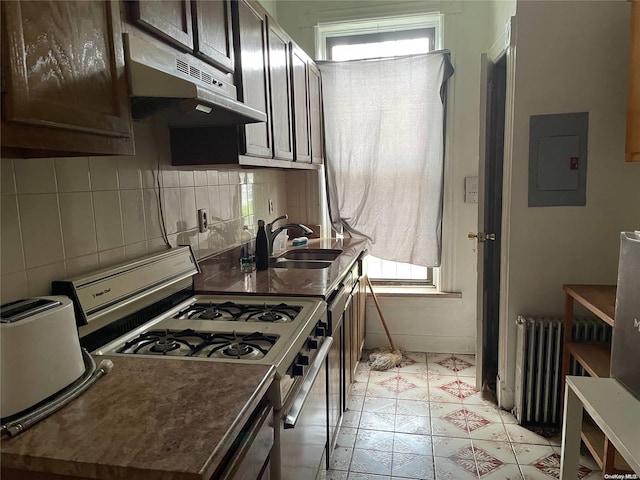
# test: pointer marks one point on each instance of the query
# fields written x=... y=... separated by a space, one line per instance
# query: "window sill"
x=411 y=291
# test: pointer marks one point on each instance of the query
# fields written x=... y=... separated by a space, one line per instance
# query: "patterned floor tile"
x=419 y=408
x=445 y=428
x=419 y=394
x=500 y=450
x=447 y=446
x=413 y=363
x=351 y=418
x=374 y=440
x=367 y=476
x=504 y=472
x=346 y=437
x=485 y=462
x=436 y=381
x=409 y=465
x=466 y=459
x=550 y=465
x=529 y=472
x=355 y=402
x=455 y=364
x=413 y=424
x=379 y=405
x=447 y=469
x=492 y=431
x=410 y=443
x=377 y=421
x=490 y=412
x=383 y=387
x=507 y=417
x=358 y=388
x=518 y=434
x=341 y=458
x=370 y=461
x=361 y=375
x=337 y=475
x=528 y=454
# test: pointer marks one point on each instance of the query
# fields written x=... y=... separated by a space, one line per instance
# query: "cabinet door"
x=169 y=19
x=252 y=77
x=279 y=67
x=334 y=387
x=315 y=115
x=300 y=83
x=355 y=314
x=66 y=88
x=633 y=109
x=213 y=33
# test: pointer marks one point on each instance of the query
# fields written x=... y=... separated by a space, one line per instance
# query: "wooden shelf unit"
x=595 y=358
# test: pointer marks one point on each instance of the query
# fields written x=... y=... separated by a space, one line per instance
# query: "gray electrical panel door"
x=558 y=159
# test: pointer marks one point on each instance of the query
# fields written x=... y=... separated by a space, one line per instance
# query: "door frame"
x=505 y=45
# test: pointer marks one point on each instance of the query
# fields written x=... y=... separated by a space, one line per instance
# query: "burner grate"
x=230 y=311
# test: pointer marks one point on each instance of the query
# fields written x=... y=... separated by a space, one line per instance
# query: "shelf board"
x=593 y=438
x=595 y=357
x=599 y=299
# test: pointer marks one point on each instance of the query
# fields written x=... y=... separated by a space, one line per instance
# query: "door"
x=213 y=33
x=66 y=88
x=280 y=94
x=169 y=19
x=252 y=77
x=300 y=84
x=489 y=224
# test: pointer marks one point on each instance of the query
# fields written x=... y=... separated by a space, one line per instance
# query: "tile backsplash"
x=65 y=216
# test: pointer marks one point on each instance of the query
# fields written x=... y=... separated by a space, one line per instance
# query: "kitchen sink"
x=328 y=254
x=300 y=264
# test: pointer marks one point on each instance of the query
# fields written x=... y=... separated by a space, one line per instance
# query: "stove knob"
x=312 y=343
x=302 y=359
x=297 y=370
x=321 y=328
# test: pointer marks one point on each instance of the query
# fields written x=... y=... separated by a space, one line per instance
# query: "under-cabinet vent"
x=182 y=66
x=539 y=363
x=197 y=73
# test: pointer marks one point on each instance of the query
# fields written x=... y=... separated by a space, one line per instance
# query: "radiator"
x=539 y=364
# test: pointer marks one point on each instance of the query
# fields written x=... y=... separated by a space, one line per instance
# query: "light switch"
x=471 y=190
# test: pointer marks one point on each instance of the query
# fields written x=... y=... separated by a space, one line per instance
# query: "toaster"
x=39 y=351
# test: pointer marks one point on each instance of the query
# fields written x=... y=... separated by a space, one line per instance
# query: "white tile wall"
x=62 y=217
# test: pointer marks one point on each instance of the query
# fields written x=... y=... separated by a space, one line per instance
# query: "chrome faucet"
x=272 y=234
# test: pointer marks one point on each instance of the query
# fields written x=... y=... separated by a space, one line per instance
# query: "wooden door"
x=213 y=35
x=633 y=109
x=315 y=115
x=300 y=83
x=280 y=89
x=252 y=77
x=168 y=19
x=66 y=90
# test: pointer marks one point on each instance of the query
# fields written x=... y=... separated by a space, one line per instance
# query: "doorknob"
x=481 y=236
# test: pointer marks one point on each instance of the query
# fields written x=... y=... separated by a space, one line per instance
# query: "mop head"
x=385 y=359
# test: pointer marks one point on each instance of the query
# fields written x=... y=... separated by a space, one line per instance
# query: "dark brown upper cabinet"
x=64 y=84
x=252 y=77
x=281 y=101
x=300 y=84
x=169 y=19
x=315 y=115
x=213 y=38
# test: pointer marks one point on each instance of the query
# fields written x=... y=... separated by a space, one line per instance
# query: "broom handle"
x=384 y=324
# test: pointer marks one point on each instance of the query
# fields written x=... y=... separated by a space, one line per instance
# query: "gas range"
x=148 y=308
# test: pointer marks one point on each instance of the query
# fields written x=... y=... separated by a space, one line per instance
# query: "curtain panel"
x=384 y=134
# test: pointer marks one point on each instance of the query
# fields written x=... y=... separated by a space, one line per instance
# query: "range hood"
x=185 y=94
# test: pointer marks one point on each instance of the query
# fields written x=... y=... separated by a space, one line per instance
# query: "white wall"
x=570 y=57
x=65 y=216
x=429 y=324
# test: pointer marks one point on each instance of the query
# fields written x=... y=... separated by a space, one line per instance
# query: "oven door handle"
x=307 y=384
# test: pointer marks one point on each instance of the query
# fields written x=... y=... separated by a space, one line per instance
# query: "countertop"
x=281 y=281
x=149 y=419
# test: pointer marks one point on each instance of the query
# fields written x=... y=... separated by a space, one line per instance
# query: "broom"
x=383 y=359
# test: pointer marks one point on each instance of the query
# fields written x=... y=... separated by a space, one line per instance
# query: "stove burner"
x=270 y=316
x=210 y=314
x=237 y=350
x=166 y=344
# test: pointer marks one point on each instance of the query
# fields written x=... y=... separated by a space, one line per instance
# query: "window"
x=374 y=39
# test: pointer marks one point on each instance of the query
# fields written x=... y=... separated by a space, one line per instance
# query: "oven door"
x=302 y=434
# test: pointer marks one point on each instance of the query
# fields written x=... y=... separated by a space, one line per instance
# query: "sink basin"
x=300 y=264
x=328 y=254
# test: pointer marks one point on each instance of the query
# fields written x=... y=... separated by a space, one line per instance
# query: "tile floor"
x=426 y=420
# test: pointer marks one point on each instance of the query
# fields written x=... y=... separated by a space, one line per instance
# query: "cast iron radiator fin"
x=539 y=364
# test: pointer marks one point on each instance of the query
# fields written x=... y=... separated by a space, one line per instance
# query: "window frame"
x=349 y=32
